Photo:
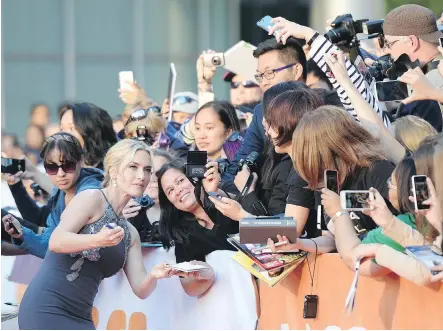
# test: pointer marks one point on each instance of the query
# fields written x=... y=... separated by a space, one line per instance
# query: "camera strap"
x=312 y=275
x=245 y=189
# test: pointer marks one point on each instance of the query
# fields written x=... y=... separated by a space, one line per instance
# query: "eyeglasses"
x=246 y=84
x=181 y=100
x=384 y=43
x=68 y=167
x=142 y=113
x=269 y=74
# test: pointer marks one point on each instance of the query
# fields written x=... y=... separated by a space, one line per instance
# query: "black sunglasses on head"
x=246 y=84
x=143 y=113
x=67 y=166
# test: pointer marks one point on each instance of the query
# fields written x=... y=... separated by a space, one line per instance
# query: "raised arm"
x=367 y=115
x=320 y=46
x=85 y=207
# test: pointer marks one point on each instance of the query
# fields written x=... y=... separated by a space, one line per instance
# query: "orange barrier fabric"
x=384 y=303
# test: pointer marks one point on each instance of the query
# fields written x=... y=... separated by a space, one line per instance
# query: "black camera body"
x=344 y=29
x=145 y=201
x=144 y=135
x=196 y=164
x=250 y=161
x=380 y=67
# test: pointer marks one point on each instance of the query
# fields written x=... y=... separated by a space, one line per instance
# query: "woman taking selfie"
x=195 y=227
x=93 y=128
x=142 y=221
x=62 y=157
x=93 y=242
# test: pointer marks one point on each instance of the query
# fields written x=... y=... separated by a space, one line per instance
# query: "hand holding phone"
x=265 y=23
x=331 y=180
x=392 y=90
x=420 y=191
x=356 y=200
x=126 y=78
x=12 y=166
x=12 y=226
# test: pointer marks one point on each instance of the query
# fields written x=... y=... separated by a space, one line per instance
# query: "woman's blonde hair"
x=120 y=155
x=153 y=122
x=329 y=138
x=410 y=131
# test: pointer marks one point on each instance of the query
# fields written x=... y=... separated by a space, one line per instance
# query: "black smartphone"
x=196 y=164
x=310 y=306
x=12 y=166
x=440 y=41
x=392 y=90
x=331 y=180
x=420 y=191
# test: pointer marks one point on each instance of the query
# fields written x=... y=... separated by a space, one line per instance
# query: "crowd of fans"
x=309 y=110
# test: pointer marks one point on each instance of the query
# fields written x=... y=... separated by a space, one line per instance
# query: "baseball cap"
x=412 y=19
x=186 y=102
x=227 y=77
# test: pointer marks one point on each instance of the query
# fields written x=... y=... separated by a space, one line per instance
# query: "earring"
x=114 y=182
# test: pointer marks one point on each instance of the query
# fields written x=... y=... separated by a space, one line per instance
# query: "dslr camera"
x=195 y=166
x=214 y=59
x=250 y=161
x=345 y=29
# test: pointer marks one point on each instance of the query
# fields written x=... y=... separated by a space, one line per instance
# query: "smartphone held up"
x=12 y=166
x=356 y=200
x=420 y=191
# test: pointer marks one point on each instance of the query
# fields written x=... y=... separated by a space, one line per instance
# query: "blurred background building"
x=63 y=50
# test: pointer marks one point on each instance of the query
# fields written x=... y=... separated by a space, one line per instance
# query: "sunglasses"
x=142 y=113
x=182 y=100
x=68 y=167
x=246 y=84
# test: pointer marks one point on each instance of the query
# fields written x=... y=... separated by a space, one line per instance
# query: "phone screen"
x=421 y=192
x=12 y=166
x=332 y=181
x=310 y=308
x=357 y=200
x=392 y=90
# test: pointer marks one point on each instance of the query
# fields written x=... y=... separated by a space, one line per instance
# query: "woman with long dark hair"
x=93 y=127
x=192 y=225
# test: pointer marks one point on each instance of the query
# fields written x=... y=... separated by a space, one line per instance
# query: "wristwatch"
x=338 y=214
x=310 y=41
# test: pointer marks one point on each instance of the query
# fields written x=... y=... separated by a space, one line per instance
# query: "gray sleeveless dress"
x=61 y=296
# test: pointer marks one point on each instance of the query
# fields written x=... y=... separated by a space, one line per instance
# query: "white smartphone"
x=355 y=200
x=421 y=192
x=126 y=77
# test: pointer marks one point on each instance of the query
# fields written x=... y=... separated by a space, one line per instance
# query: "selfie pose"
x=195 y=227
x=93 y=242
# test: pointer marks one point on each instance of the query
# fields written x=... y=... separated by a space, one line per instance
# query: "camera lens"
x=216 y=61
